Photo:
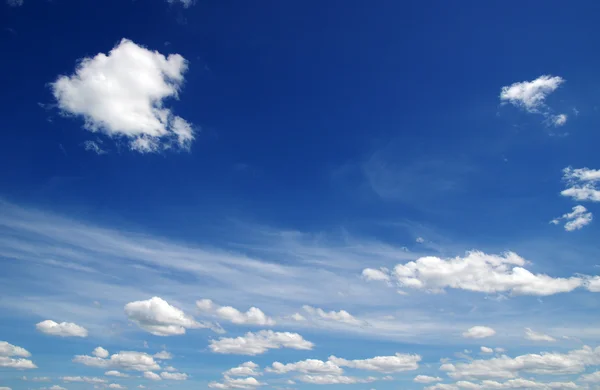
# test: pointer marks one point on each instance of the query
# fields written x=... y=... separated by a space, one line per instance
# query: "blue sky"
x=299 y=194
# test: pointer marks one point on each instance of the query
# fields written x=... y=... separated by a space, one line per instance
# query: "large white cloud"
x=531 y=95
x=7 y=349
x=535 y=336
x=12 y=356
x=158 y=317
x=385 y=364
x=124 y=360
x=576 y=219
x=122 y=94
x=480 y=272
x=244 y=369
x=259 y=342
x=519 y=383
x=308 y=366
x=63 y=329
x=236 y=383
x=338 y=316
x=254 y=316
x=479 y=332
x=545 y=363
x=583 y=184
x=427 y=379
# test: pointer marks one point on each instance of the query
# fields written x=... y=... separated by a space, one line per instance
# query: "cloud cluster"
x=12 y=356
x=159 y=318
x=582 y=184
x=259 y=342
x=535 y=336
x=254 y=316
x=576 y=219
x=63 y=329
x=517 y=384
x=478 y=332
x=477 y=271
x=531 y=96
x=338 y=316
x=236 y=383
x=244 y=369
x=122 y=94
x=124 y=360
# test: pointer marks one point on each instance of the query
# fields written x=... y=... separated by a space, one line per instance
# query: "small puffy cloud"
x=158 y=317
x=376 y=274
x=100 y=352
x=583 y=184
x=308 y=366
x=298 y=317
x=479 y=332
x=163 y=355
x=535 y=336
x=531 y=95
x=152 y=376
x=244 y=369
x=486 y=350
x=334 y=379
x=545 y=363
x=116 y=373
x=480 y=272
x=338 y=316
x=122 y=94
x=420 y=240
x=174 y=376
x=124 y=360
x=7 y=349
x=83 y=379
x=427 y=379
x=116 y=386
x=385 y=364
x=259 y=342
x=17 y=363
x=236 y=383
x=559 y=120
x=576 y=219
x=254 y=316
x=36 y=379
x=170 y=369
x=63 y=329
x=593 y=377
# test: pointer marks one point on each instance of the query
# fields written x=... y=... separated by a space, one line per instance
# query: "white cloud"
x=244 y=369
x=583 y=184
x=163 y=355
x=479 y=332
x=174 y=376
x=591 y=377
x=334 y=379
x=116 y=386
x=92 y=146
x=158 y=317
x=420 y=240
x=308 y=366
x=5 y=388
x=14 y=3
x=63 y=329
x=185 y=3
x=298 y=317
x=116 y=373
x=84 y=379
x=518 y=383
x=427 y=379
x=124 y=360
x=7 y=349
x=37 y=379
x=236 y=383
x=170 y=369
x=339 y=316
x=531 y=95
x=486 y=350
x=385 y=364
x=152 y=376
x=54 y=387
x=100 y=352
x=254 y=316
x=480 y=272
x=259 y=342
x=545 y=363
x=8 y=352
x=559 y=120
x=576 y=219
x=376 y=274
x=535 y=336
x=121 y=95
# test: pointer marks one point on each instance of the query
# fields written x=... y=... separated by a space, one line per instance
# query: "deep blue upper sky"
x=344 y=121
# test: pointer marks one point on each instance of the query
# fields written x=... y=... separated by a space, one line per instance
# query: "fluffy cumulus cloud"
x=236 y=383
x=576 y=219
x=480 y=272
x=254 y=316
x=593 y=377
x=124 y=360
x=384 y=364
x=479 y=332
x=63 y=329
x=244 y=369
x=158 y=317
x=545 y=363
x=122 y=94
x=152 y=376
x=582 y=184
x=334 y=379
x=100 y=352
x=116 y=373
x=535 y=336
x=427 y=379
x=531 y=96
x=163 y=355
x=486 y=350
x=174 y=376
x=259 y=342
x=83 y=379
x=338 y=316
x=308 y=366
x=13 y=356
x=519 y=383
